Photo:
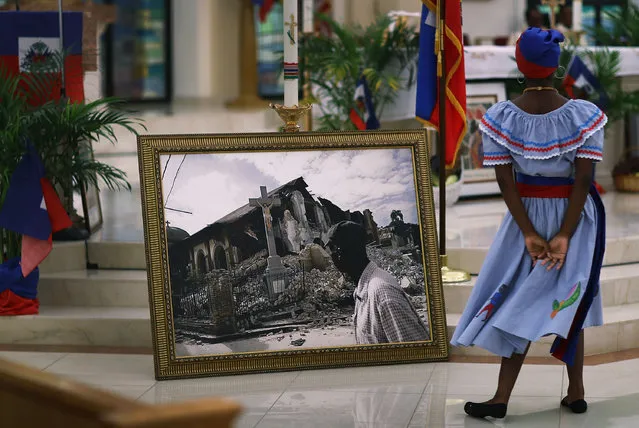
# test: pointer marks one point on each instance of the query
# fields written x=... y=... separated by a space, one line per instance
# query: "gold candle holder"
x=452 y=276
x=291 y=115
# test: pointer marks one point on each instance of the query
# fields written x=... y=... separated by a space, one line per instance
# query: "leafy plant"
x=379 y=52
x=605 y=64
x=62 y=133
x=624 y=27
x=623 y=31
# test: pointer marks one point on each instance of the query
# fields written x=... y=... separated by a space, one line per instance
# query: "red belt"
x=535 y=191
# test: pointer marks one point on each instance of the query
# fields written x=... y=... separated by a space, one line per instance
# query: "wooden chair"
x=30 y=398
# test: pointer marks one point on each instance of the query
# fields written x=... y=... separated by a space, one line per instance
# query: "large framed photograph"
x=477 y=180
x=280 y=251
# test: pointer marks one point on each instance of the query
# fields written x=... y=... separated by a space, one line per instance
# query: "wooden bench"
x=30 y=398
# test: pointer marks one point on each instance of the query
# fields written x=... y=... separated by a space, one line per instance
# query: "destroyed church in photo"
x=298 y=219
x=265 y=262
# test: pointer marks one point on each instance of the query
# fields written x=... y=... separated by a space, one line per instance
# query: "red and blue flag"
x=32 y=208
x=27 y=38
x=427 y=104
x=363 y=114
x=427 y=66
x=579 y=76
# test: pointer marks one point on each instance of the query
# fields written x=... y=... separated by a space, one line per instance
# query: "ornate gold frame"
x=168 y=366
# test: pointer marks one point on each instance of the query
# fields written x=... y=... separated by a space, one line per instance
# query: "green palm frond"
x=337 y=62
x=91 y=172
x=62 y=132
x=605 y=64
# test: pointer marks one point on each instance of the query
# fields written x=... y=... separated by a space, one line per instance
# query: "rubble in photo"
x=228 y=288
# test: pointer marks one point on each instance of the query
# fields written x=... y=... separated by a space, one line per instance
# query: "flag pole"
x=449 y=276
x=441 y=75
x=62 y=77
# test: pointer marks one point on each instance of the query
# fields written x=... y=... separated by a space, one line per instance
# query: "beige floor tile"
x=39 y=360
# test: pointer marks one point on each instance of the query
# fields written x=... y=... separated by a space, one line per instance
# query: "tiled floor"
x=425 y=395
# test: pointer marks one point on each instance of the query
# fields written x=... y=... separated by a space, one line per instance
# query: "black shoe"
x=577 y=406
x=483 y=410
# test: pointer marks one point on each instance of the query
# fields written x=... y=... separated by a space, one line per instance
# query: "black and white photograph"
x=290 y=250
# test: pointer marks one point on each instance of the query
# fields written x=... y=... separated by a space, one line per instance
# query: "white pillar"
x=291 y=67
x=192 y=32
x=340 y=11
x=577 y=11
x=309 y=13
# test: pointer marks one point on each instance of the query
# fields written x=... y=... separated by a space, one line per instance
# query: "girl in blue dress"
x=541 y=275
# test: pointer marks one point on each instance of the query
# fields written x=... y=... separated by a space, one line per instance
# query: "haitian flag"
x=18 y=294
x=265 y=7
x=427 y=102
x=427 y=66
x=27 y=38
x=363 y=114
x=580 y=77
x=32 y=208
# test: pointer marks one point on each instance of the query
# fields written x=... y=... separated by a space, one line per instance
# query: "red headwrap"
x=537 y=52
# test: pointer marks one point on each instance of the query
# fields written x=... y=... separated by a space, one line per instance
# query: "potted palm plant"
x=620 y=103
x=61 y=134
x=605 y=65
x=622 y=31
x=385 y=54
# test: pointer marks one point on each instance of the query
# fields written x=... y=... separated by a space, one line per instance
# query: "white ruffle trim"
x=590 y=156
x=577 y=120
x=499 y=162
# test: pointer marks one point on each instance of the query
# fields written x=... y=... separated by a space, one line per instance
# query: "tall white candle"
x=308 y=12
x=577 y=13
x=291 y=67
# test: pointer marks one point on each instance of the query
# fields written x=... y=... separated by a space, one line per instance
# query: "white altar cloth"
x=498 y=62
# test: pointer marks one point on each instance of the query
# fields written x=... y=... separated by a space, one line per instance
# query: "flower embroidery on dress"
x=573 y=295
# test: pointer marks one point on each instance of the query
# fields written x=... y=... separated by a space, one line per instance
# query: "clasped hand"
x=551 y=254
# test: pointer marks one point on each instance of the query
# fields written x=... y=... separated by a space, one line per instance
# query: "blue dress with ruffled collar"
x=513 y=303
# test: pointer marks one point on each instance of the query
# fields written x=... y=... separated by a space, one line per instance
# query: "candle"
x=291 y=67
x=308 y=16
x=577 y=12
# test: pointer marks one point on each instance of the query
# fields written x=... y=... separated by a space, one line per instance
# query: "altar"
x=498 y=62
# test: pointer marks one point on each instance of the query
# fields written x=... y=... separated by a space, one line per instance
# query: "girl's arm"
x=581 y=188
x=536 y=245
x=506 y=181
x=558 y=246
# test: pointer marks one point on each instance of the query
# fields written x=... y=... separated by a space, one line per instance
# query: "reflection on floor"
x=418 y=395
